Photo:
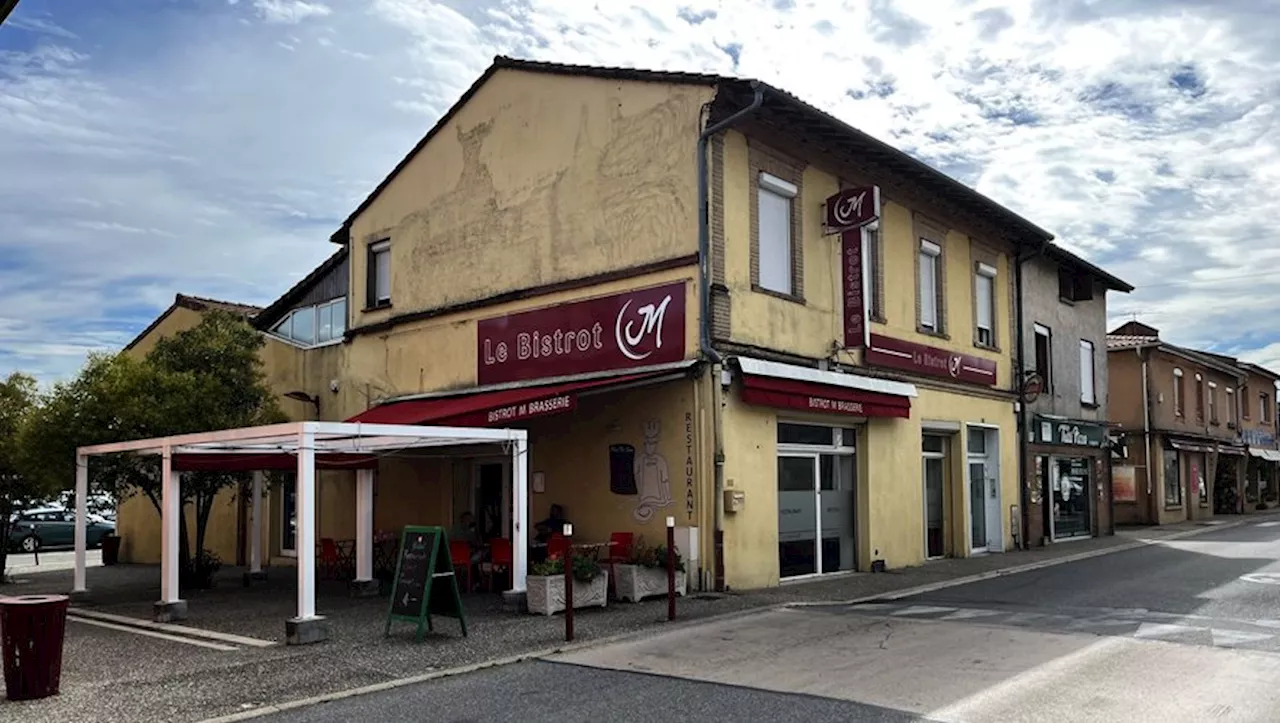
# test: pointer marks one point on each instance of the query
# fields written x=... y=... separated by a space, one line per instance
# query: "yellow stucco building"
x=812 y=377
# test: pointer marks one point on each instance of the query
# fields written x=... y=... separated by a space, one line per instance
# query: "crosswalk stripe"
x=923 y=610
x=969 y=614
x=1230 y=638
x=1163 y=630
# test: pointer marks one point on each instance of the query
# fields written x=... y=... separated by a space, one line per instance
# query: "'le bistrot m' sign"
x=636 y=328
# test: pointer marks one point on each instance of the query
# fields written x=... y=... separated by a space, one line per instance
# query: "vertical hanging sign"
x=848 y=213
x=855 y=320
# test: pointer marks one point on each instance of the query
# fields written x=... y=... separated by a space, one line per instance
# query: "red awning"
x=493 y=408
x=261 y=461
x=827 y=398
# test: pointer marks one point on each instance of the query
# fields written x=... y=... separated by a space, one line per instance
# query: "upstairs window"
x=1231 y=407
x=1244 y=401
x=774 y=210
x=1179 y=394
x=1199 y=398
x=929 y=287
x=312 y=325
x=1044 y=355
x=984 y=303
x=1213 y=403
x=1074 y=287
x=378 y=283
x=1088 y=393
x=1264 y=408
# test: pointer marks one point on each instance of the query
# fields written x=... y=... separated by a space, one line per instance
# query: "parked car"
x=54 y=527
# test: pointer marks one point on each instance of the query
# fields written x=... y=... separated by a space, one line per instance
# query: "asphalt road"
x=1185 y=630
x=538 y=692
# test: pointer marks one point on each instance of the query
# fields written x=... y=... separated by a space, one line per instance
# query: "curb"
x=648 y=632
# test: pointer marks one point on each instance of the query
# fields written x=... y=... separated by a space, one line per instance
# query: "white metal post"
x=170 y=519
x=520 y=517
x=306 y=513
x=82 y=510
x=255 y=531
x=364 y=525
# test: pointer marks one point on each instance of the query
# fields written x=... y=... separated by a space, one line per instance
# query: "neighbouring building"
x=1256 y=417
x=1064 y=343
x=803 y=391
x=1176 y=412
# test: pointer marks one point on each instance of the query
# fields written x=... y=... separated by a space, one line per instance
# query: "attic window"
x=1074 y=287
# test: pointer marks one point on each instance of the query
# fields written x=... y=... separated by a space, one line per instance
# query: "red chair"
x=501 y=559
x=557 y=545
x=330 y=560
x=460 y=556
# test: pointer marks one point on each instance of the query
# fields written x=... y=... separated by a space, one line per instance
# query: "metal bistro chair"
x=501 y=558
x=460 y=556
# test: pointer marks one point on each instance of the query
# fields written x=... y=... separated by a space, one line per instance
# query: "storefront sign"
x=536 y=408
x=637 y=328
x=688 y=466
x=1123 y=484
x=823 y=404
x=908 y=356
x=853 y=208
x=1258 y=438
x=855 y=307
x=1067 y=432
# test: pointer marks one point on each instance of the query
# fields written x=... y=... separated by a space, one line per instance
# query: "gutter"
x=1024 y=498
x=704 y=323
x=1146 y=432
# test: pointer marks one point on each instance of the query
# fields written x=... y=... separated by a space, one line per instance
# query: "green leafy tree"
x=18 y=400
x=205 y=378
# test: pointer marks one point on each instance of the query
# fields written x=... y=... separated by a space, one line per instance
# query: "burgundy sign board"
x=853 y=208
x=824 y=398
x=931 y=361
x=855 y=312
x=636 y=328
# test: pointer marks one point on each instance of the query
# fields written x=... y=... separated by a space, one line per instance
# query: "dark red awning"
x=253 y=462
x=493 y=408
x=824 y=398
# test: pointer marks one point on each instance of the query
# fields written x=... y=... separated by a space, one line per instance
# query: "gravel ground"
x=120 y=676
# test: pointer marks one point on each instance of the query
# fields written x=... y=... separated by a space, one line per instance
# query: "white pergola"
x=303 y=440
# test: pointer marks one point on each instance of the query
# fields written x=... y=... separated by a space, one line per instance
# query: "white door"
x=977 y=484
x=986 y=529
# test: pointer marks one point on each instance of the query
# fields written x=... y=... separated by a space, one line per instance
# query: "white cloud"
x=217 y=162
x=290 y=12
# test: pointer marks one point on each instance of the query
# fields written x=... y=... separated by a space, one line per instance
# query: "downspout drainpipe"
x=1024 y=498
x=1146 y=431
x=704 y=323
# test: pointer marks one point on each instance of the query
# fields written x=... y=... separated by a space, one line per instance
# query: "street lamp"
x=304 y=397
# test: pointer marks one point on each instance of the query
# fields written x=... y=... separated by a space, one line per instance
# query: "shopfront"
x=1260 y=469
x=1069 y=463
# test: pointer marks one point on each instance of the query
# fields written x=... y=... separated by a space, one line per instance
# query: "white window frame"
x=283 y=328
x=1039 y=330
x=987 y=274
x=771 y=277
x=1213 y=403
x=930 y=255
x=1200 y=405
x=1231 y=406
x=378 y=251
x=1089 y=363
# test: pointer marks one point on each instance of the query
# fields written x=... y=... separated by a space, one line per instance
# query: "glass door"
x=1071 y=498
x=977 y=506
x=935 y=517
x=798 y=549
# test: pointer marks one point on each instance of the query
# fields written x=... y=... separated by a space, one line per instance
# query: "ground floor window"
x=934 y=451
x=1071 y=482
x=1172 y=479
x=816 y=481
x=289 y=517
x=1196 y=484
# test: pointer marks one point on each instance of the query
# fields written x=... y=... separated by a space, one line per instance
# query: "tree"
x=18 y=399
x=205 y=378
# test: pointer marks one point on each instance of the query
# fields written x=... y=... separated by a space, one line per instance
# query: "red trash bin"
x=32 y=628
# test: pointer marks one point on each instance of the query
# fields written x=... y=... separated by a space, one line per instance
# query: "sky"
x=210 y=147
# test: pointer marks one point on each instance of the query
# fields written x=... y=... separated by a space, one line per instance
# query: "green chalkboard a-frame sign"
x=424 y=584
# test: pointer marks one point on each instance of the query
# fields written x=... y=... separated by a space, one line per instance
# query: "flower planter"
x=636 y=582
x=545 y=593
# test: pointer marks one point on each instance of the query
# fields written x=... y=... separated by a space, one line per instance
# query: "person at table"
x=466 y=531
x=552 y=525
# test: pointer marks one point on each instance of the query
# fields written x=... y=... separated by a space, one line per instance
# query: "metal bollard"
x=568 y=583
x=671 y=568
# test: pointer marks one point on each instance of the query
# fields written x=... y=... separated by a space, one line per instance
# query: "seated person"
x=466 y=531
x=553 y=524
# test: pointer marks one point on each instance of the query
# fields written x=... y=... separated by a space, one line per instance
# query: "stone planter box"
x=636 y=582
x=545 y=593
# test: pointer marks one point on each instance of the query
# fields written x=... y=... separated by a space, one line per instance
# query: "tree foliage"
x=201 y=379
x=18 y=399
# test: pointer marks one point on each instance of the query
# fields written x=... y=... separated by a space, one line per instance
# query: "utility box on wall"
x=734 y=500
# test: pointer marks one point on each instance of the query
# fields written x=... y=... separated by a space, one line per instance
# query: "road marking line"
x=1267 y=524
x=969 y=614
x=175 y=629
x=1230 y=638
x=150 y=634
x=1156 y=631
x=923 y=610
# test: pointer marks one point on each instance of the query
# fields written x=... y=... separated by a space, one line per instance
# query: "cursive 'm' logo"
x=649 y=323
x=955 y=366
x=848 y=211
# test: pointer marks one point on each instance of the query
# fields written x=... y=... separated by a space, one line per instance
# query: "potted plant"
x=545 y=584
x=645 y=573
x=199 y=576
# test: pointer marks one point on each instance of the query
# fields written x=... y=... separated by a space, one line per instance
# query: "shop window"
x=816 y=486
x=1172 y=479
x=984 y=299
x=774 y=219
x=378 y=275
x=930 y=293
x=977 y=442
x=816 y=435
x=1179 y=394
x=1071 y=497
x=1044 y=355
x=1088 y=392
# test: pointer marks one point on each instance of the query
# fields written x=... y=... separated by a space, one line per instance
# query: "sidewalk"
x=119 y=675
